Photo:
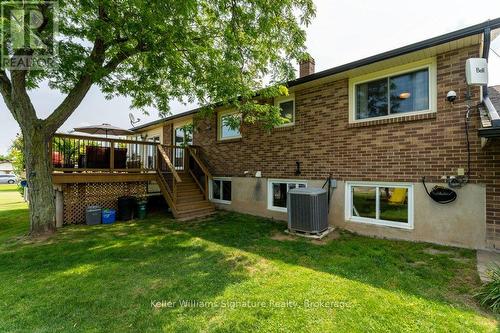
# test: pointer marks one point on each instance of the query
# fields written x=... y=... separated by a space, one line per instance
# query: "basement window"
x=221 y=190
x=388 y=204
x=277 y=190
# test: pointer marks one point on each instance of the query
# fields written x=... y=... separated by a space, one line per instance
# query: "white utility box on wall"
x=476 y=71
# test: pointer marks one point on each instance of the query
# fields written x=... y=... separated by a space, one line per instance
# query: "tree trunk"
x=39 y=177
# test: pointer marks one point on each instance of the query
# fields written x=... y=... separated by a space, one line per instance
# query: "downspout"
x=494 y=116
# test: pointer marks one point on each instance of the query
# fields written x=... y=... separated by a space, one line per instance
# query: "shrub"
x=489 y=293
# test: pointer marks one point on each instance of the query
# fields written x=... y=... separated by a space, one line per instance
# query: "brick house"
x=377 y=126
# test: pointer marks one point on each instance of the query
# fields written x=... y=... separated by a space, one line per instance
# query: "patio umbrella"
x=103 y=129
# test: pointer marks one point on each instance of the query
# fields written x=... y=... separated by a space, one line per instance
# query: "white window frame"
x=377 y=221
x=283 y=99
x=270 y=183
x=220 y=124
x=211 y=193
x=429 y=64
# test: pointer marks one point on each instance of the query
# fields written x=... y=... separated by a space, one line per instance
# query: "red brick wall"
x=494 y=93
x=322 y=140
x=167 y=134
x=489 y=169
x=407 y=149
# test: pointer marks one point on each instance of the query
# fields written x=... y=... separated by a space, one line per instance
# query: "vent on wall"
x=308 y=210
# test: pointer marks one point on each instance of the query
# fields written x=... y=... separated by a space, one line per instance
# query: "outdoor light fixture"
x=297 y=168
x=404 y=95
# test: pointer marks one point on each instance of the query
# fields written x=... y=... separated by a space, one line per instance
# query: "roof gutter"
x=466 y=32
x=484 y=28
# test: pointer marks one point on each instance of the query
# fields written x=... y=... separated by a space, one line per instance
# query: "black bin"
x=126 y=208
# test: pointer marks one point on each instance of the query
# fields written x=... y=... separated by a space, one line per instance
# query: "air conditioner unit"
x=308 y=210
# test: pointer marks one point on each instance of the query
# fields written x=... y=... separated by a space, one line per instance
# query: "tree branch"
x=79 y=90
x=21 y=102
x=6 y=90
x=82 y=86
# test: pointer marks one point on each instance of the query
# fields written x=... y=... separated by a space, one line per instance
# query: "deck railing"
x=174 y=161
x=198 y=169
x=76 y=153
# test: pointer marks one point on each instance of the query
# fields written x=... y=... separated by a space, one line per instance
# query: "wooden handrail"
x=199 y=162
x=206 y=174
x=163 y=153
x=165 y=189
x=99 y=139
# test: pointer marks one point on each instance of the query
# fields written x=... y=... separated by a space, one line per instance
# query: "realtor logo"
x=28 y=34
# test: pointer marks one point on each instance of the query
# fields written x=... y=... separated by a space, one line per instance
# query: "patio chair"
x=97 y=157
x=120 y=158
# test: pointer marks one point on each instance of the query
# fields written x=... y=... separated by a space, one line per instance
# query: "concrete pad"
x=485 y=259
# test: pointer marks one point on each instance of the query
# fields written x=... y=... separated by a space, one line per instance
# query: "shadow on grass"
x=112 y=273
x=105 y=277
x=392 y=265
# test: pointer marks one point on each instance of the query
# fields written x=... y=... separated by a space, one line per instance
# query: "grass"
x=13 y=213
x=252 y=276
x=7 y=187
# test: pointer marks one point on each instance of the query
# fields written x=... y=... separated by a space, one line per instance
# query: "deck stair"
x=183 y=180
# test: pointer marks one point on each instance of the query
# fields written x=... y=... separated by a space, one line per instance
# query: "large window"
x=405 y=90
x=287 y=109
x=384 y=204
x=228 y=126
x=221 y=189
x=277 y=190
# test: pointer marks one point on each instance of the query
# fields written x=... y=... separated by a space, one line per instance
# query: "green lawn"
x=13 y=213
x=254 y=278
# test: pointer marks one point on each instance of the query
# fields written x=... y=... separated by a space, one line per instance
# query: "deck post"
x=206 y=187
x=59 y=207
x=112 y=155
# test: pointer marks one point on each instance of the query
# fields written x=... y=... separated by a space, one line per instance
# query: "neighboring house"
x=494 y=93
x=6 y=168
x=377 y=126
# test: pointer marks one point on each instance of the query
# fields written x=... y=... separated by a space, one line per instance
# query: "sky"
x=343 y=31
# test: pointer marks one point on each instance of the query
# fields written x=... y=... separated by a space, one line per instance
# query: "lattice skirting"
x=77 y=197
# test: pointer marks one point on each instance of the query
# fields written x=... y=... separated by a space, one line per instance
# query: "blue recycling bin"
x=108 y=216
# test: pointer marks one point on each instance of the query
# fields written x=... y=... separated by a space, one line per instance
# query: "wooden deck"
x=103 y=177
x=98 y=165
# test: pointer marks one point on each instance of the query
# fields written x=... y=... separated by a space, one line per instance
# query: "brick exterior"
x=168 y=134
x=402 y=149
x=324 y=142
x=491 y=167
x=307 y=67
x=494 y=93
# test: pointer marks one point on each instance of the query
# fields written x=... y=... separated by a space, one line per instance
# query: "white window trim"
x=283 y=99
x=430 y=64
x=357 y=219
x=210 y=189
x=270 y=192
x=219 y=126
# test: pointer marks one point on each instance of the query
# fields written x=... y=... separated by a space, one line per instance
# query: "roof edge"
x=448 y=37
x=451 y=36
